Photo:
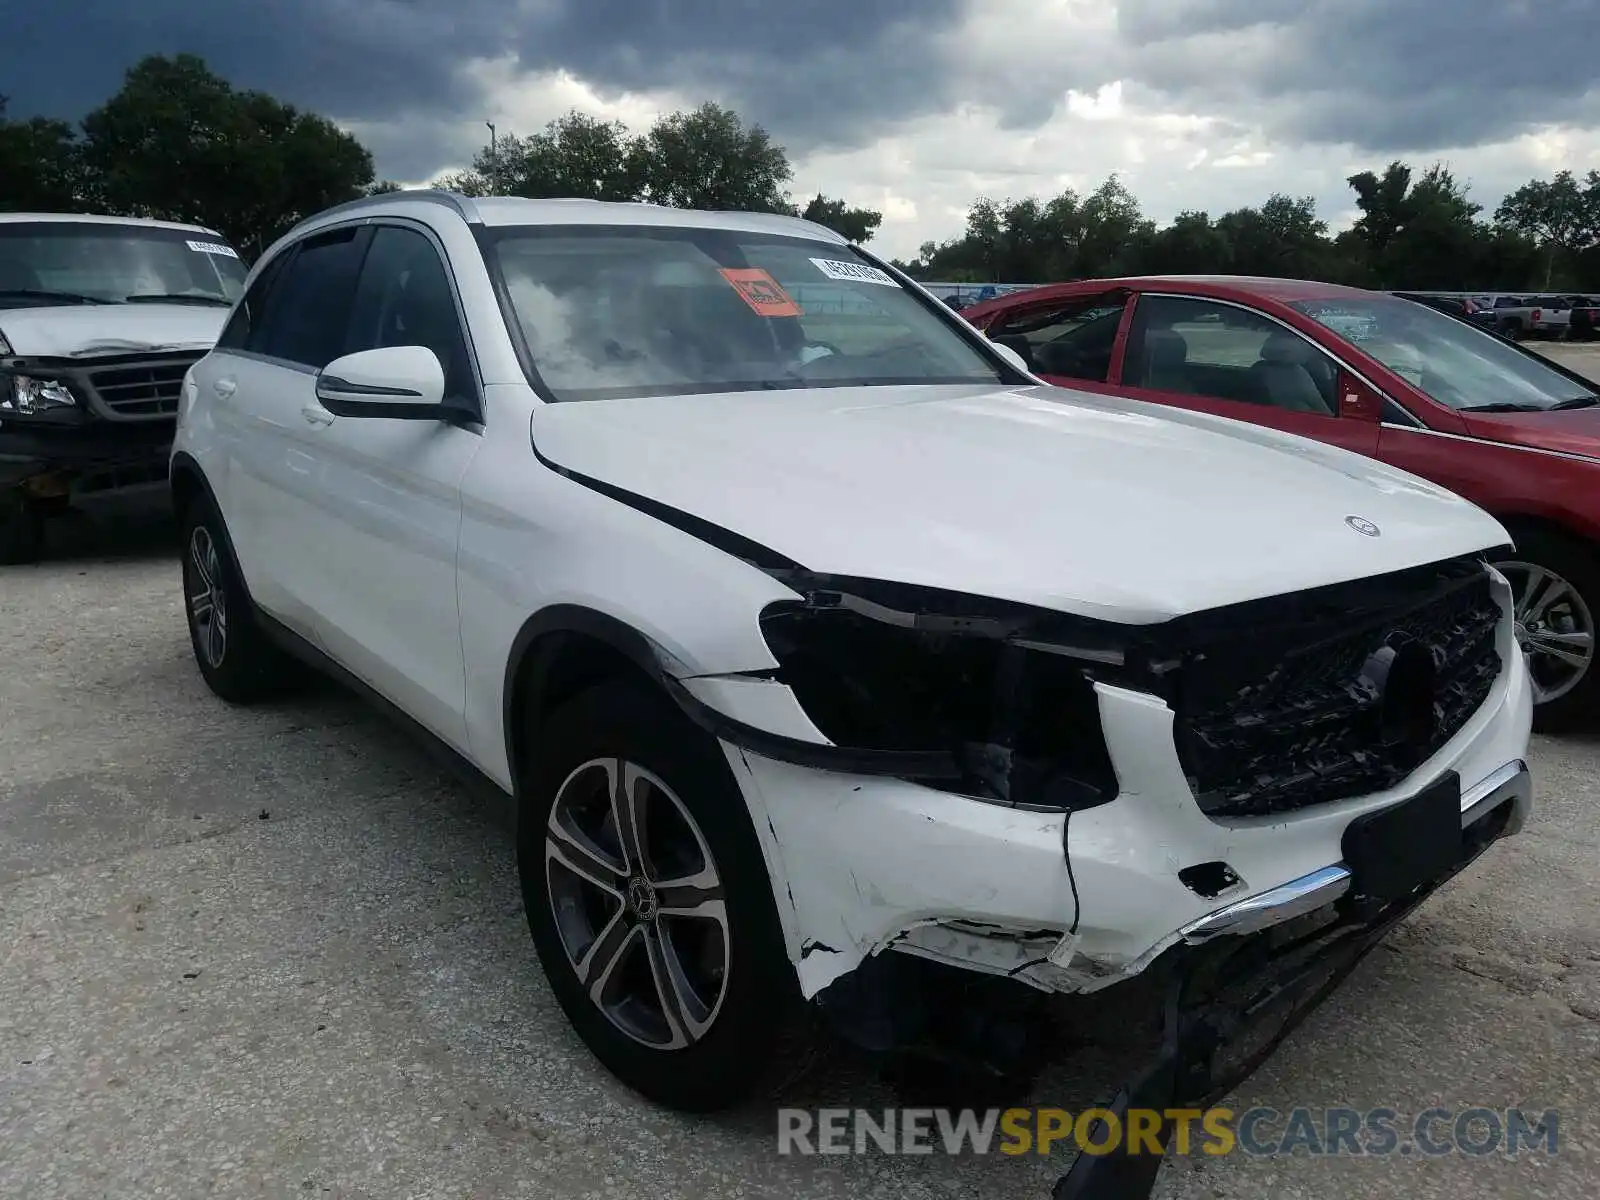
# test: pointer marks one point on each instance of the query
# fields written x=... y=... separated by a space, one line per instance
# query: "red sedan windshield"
x=1450 y=360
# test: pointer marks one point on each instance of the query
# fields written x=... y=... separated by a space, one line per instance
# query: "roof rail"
x=461 y=205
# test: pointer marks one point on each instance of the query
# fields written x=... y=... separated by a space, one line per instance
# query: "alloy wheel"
x=638 y=903
x=208 y=604
x=1554 y=628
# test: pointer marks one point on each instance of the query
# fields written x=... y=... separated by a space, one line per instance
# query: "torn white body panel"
x=862 y=865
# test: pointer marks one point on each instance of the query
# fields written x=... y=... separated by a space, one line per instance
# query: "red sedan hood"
x=1576 y=431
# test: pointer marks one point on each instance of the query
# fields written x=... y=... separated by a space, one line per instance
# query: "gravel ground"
x=278 y=953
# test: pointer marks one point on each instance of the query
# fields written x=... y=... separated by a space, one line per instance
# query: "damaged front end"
x=988 y=698
x=1230 y=1002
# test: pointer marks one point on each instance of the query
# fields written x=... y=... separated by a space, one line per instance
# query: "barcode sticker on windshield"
x=213 y=248
x=851 y=272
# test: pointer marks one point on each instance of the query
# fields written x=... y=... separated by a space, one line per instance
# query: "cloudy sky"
x=912 y=107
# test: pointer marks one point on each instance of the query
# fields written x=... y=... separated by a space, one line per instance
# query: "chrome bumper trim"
x=1326 y=884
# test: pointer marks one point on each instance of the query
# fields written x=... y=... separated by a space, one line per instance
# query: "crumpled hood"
x=89 y=330
x=1104 y=507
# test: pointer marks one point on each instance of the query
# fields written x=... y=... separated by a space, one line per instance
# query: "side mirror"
x=403 y=383
x=1010 y=355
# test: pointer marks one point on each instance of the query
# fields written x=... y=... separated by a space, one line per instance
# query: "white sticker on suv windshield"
x=853 y=272
x=213 y=248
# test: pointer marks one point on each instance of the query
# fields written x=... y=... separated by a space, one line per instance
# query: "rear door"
x=1219 y=357
x=275 y=490
x=1070 y=342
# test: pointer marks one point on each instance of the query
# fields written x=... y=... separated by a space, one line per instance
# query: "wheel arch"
x=560 y=651
x=187 y=482
x=1520 y=521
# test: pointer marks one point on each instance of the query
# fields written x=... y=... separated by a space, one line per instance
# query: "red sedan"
x=1383 y=376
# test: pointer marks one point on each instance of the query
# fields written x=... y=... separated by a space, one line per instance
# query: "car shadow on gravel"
x=87 y=540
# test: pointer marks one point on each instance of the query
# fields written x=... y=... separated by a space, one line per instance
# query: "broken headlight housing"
x=1002 y=695
x=31 y=395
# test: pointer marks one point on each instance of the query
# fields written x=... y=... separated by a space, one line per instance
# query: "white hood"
x=1094 y=505
x=89 y=330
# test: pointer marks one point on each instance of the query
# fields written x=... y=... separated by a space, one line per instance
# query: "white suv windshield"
x=637 y=311
x=1454 y=362
x=92 y=262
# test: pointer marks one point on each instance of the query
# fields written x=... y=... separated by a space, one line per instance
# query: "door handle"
x=224 y=387
x=317 y=415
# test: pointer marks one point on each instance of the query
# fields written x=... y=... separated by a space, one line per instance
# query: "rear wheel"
x=651 y=907
x=1556 y=581
x=21 y=528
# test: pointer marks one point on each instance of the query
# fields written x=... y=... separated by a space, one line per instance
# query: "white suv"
x=810 y=633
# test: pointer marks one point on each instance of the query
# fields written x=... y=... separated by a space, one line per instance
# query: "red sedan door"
x=1220 y=357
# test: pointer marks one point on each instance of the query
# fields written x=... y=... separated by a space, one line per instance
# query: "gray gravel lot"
x=278 y=953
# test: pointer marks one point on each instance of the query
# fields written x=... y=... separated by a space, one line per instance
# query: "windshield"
x=650 y=311
x=84 y=262
x=1454 y=362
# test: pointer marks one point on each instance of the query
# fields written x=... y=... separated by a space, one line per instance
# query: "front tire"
x=1556 y=581
x=651 y=907
x=237 y=660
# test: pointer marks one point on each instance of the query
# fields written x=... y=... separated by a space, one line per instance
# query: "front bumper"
x=92 y=459
x=1078 y=902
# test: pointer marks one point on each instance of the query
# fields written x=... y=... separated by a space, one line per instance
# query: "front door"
x=1216 y=357
x=383 y=583
x=1068 y=342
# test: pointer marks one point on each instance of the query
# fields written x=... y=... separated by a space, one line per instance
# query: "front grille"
x=142 y=389
x=1277 y=713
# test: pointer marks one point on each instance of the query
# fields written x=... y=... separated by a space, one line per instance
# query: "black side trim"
x=712 y=534
x=365 y=389
x=446 y=755
x=900 y=764
x=445 y=412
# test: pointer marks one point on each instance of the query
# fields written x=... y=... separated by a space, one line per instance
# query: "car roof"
x=504 y=211
x=1222 y=287
x=101 y=219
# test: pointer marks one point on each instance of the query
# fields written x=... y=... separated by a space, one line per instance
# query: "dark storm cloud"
x=822 y=72
x=1386 y=75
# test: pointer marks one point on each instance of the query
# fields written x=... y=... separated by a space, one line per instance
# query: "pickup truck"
x=100 y=317
x=1542 y=316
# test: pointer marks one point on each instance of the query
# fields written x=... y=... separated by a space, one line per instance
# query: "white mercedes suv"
x=811 y=634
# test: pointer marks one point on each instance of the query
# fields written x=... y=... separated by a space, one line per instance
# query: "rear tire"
x=236 y=658
x=730 y=1022
x=1556 y=579
x=21 y=528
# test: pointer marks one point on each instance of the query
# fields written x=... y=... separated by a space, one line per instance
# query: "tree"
x=1559 y=213
x=177 y=142
x=856 y=224
x=1192 y=245
x=383 y=187
x=575 y=156
x=709 y=158
x=1417 y=232
x=41 y=167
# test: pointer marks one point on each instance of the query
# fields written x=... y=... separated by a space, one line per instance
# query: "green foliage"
x=41 y=169
x=856 y=224
x=1422 y=233
x=576 y=155
x=179 y=143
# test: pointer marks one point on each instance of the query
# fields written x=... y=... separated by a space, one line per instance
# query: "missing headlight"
x=1006 y=690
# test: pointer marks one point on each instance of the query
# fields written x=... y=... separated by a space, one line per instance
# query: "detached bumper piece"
x=1232 y=1001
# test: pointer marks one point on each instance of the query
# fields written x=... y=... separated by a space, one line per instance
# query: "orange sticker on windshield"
x=761 y=292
